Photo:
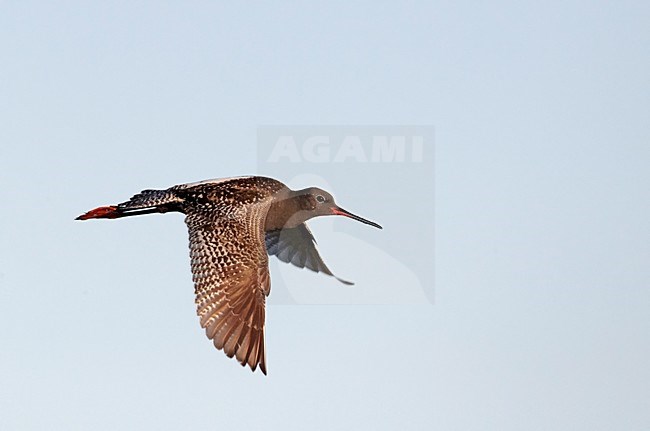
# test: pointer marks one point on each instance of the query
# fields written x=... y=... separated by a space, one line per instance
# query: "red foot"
x=101 y=212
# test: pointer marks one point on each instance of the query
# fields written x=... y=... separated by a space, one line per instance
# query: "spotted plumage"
x=234 y=224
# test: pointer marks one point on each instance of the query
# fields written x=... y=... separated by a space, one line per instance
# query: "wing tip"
x=346 y=282
x=253 y=367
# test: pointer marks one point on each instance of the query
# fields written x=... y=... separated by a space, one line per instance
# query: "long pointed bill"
x=342 y=212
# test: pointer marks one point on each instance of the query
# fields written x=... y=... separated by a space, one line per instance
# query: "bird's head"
x=317 y=202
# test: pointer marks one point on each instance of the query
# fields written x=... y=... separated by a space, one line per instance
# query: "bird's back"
x=221 y=194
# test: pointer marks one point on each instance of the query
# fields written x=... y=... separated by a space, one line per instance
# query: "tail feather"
x=101 y=212
x=151 y=198
x=145 y=202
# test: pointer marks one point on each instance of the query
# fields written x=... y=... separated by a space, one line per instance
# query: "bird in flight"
x=233 y=224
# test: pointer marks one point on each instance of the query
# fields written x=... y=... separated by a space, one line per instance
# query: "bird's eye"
x=320 y=198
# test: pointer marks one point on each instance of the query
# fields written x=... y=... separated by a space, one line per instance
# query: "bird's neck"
x=288 y=210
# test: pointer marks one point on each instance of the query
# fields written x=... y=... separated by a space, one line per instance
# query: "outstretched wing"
x=297 y=246
x=231 y=276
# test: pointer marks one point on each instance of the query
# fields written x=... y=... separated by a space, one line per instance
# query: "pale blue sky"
x=542 y=218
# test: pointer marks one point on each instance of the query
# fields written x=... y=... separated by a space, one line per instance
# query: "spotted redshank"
x=233 y=224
